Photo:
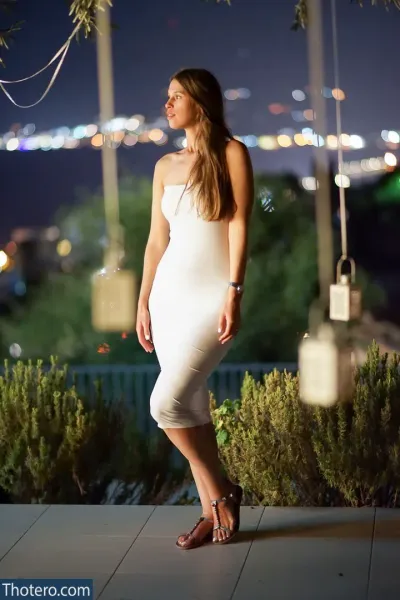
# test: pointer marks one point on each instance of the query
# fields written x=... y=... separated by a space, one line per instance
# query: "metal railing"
x=134 y=383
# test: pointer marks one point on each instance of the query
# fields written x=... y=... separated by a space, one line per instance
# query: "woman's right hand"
x=143 y=328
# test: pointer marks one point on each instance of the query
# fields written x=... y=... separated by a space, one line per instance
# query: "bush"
x=57 y=447
x=286 y=453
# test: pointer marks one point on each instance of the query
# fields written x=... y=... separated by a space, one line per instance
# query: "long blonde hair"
x=209 y=174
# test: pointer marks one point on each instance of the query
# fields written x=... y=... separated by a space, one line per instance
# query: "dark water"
x=33 y=185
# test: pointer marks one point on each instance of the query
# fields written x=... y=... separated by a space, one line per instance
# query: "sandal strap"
x=200 y=520
x=222 y=527
x=215 y=504
x=231 y=496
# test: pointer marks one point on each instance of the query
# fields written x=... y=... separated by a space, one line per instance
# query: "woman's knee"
x=160 y=405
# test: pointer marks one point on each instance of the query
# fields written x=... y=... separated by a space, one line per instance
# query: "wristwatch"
x=238 y=287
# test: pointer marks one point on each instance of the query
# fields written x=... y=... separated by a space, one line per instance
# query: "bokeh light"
x=267 y=142
x=15 y=350
x=12 y=144
x=97 y=140
x=309 y=114
x=298 y=95
x=64 y=247
x=338 y=94
x=309 y=183
x=284 y=141
x=300 y=140
x=342 y=180
x=3 y=259
x=390 y=159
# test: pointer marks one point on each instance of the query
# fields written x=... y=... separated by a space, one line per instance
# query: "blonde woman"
x=192 y=286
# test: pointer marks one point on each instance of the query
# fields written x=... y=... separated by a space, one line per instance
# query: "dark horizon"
x=249 y=44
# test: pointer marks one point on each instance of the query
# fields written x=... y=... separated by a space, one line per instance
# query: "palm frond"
x=84 y=11
x=7 y=34
x=301 y=17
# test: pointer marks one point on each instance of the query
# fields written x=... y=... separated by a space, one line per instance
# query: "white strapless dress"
x=187 y=296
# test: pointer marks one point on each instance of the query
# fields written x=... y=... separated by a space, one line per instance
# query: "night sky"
x=249 y=45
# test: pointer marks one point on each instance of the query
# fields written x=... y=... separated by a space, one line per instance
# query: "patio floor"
x=280 y=553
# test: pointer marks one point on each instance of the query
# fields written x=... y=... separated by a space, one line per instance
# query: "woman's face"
x=180 y=108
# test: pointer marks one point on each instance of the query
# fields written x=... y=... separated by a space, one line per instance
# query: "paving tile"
x=385 y=572
x=76 y=541
x=104 y=519
x=280 y=553
x=197 y=586
x=15 y=520
x=154 y=564
x=309 y=554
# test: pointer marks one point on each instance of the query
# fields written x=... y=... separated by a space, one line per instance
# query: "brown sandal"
x=236 y=498
x=192 y=541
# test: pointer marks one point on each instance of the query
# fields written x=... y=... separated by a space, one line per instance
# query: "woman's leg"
x=204 y=528
x=180 y=404
x=199 y=446
x=202 y=490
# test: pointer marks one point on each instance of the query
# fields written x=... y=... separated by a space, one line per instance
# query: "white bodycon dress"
x=187 y=296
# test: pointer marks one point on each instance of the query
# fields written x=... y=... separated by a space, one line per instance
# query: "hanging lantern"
x=113 y=288
x=113 y=300
x=326 y=368
x=345 y=295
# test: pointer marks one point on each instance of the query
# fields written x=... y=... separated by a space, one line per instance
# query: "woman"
x=194 y=268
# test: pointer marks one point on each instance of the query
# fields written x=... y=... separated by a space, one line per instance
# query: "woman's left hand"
x=229 y=321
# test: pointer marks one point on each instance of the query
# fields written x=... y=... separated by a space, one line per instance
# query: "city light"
x=11 y=248
x=345 y=140
x=276 y=108
x=390 y=159
x=134 y=130
x=308 y=114
x=342 y=181
x=238 y=94
x=3 y=260
x=393 y=137
x=298 y=95
x=12 y=144
x=332 y=142
x=357 y=142
x=300 y=140
x=156 y=135
x=91 y=130
x=132 y=124
x=338 y=94
x=267 y=142
x=97 y=140
x=284 y=141
x=130 y=140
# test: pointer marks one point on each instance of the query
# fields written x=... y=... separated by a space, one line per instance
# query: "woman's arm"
x=158 y=239
x=241 y=173
x=157 y=243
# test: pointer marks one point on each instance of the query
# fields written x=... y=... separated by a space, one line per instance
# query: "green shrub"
x=286 y=453
x=57 y=447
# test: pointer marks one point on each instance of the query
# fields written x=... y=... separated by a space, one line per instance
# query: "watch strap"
x=238 y=286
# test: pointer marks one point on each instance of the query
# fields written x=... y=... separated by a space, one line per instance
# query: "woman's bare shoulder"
x=164 y=165
x=236 y=148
